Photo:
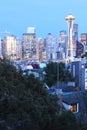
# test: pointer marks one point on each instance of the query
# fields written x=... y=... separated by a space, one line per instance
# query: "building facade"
x=79 y=49
x=51 y=47
x=84 y=38
x=30 y=46
x=10 y=47
x=42 y=50
x=75 y=37
x=62 y=45
x=79 y=71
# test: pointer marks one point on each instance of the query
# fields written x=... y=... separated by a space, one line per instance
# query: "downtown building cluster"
x=51 y=48
x=65 y=47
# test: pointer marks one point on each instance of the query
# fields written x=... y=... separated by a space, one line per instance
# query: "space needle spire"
x=70 y=56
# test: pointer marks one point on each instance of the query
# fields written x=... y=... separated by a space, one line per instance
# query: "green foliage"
x=25 y=105
x=57 y=72
x=67 y=121
x=51 y=73
x=84 y=55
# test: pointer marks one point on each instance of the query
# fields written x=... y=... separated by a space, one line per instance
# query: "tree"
x=51 y=73
x=84 y=55
x=57 y=72
x=25 y=105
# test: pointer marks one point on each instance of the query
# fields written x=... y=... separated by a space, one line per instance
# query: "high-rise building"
x=75 y=32
x=62 y=44
x=30 y=46
x=79 y=49
x=10 y=47
x=84 y=38
x=51 y=47
x=75 y=37
x=19 y=50
x=41 y=50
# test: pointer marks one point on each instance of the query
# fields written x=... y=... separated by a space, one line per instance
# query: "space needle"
x=70 y=56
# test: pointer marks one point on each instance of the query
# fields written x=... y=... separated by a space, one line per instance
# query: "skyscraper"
x=29 y=45
x=10 y=47
x=84 y=38
x=75 y=38
x=84 y=41
x=51 y=46
x=62 y=44
x=79 y=49
x=75 y=32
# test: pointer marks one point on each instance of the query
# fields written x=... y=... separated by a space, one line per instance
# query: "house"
x=76 y=102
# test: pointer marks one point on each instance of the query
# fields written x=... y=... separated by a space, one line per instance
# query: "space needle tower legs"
x=70 y=57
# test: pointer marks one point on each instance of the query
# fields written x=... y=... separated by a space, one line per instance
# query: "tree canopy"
x=57 y=72
x=84 y=55
x=25 y=105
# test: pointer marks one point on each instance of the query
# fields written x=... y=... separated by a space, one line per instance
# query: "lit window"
x=74 y=107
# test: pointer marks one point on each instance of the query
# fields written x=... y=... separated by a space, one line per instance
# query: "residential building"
x=76 y=102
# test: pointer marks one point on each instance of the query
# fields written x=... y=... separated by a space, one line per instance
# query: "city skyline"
x=46 y=16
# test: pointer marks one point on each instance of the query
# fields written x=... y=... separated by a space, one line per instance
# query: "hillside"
x=25 y=105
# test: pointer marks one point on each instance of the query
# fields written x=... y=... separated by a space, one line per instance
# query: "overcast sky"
x=45 y=15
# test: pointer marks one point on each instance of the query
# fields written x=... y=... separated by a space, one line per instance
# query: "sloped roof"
x=70 y=99
x=77 y=97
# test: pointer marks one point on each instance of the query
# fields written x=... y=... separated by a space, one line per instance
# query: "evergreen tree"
x=57 y=72
x=25 y=105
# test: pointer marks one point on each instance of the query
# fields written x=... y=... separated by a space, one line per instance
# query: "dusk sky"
x=45 y=15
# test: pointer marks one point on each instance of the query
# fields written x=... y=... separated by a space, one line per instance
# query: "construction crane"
x=5 y=33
